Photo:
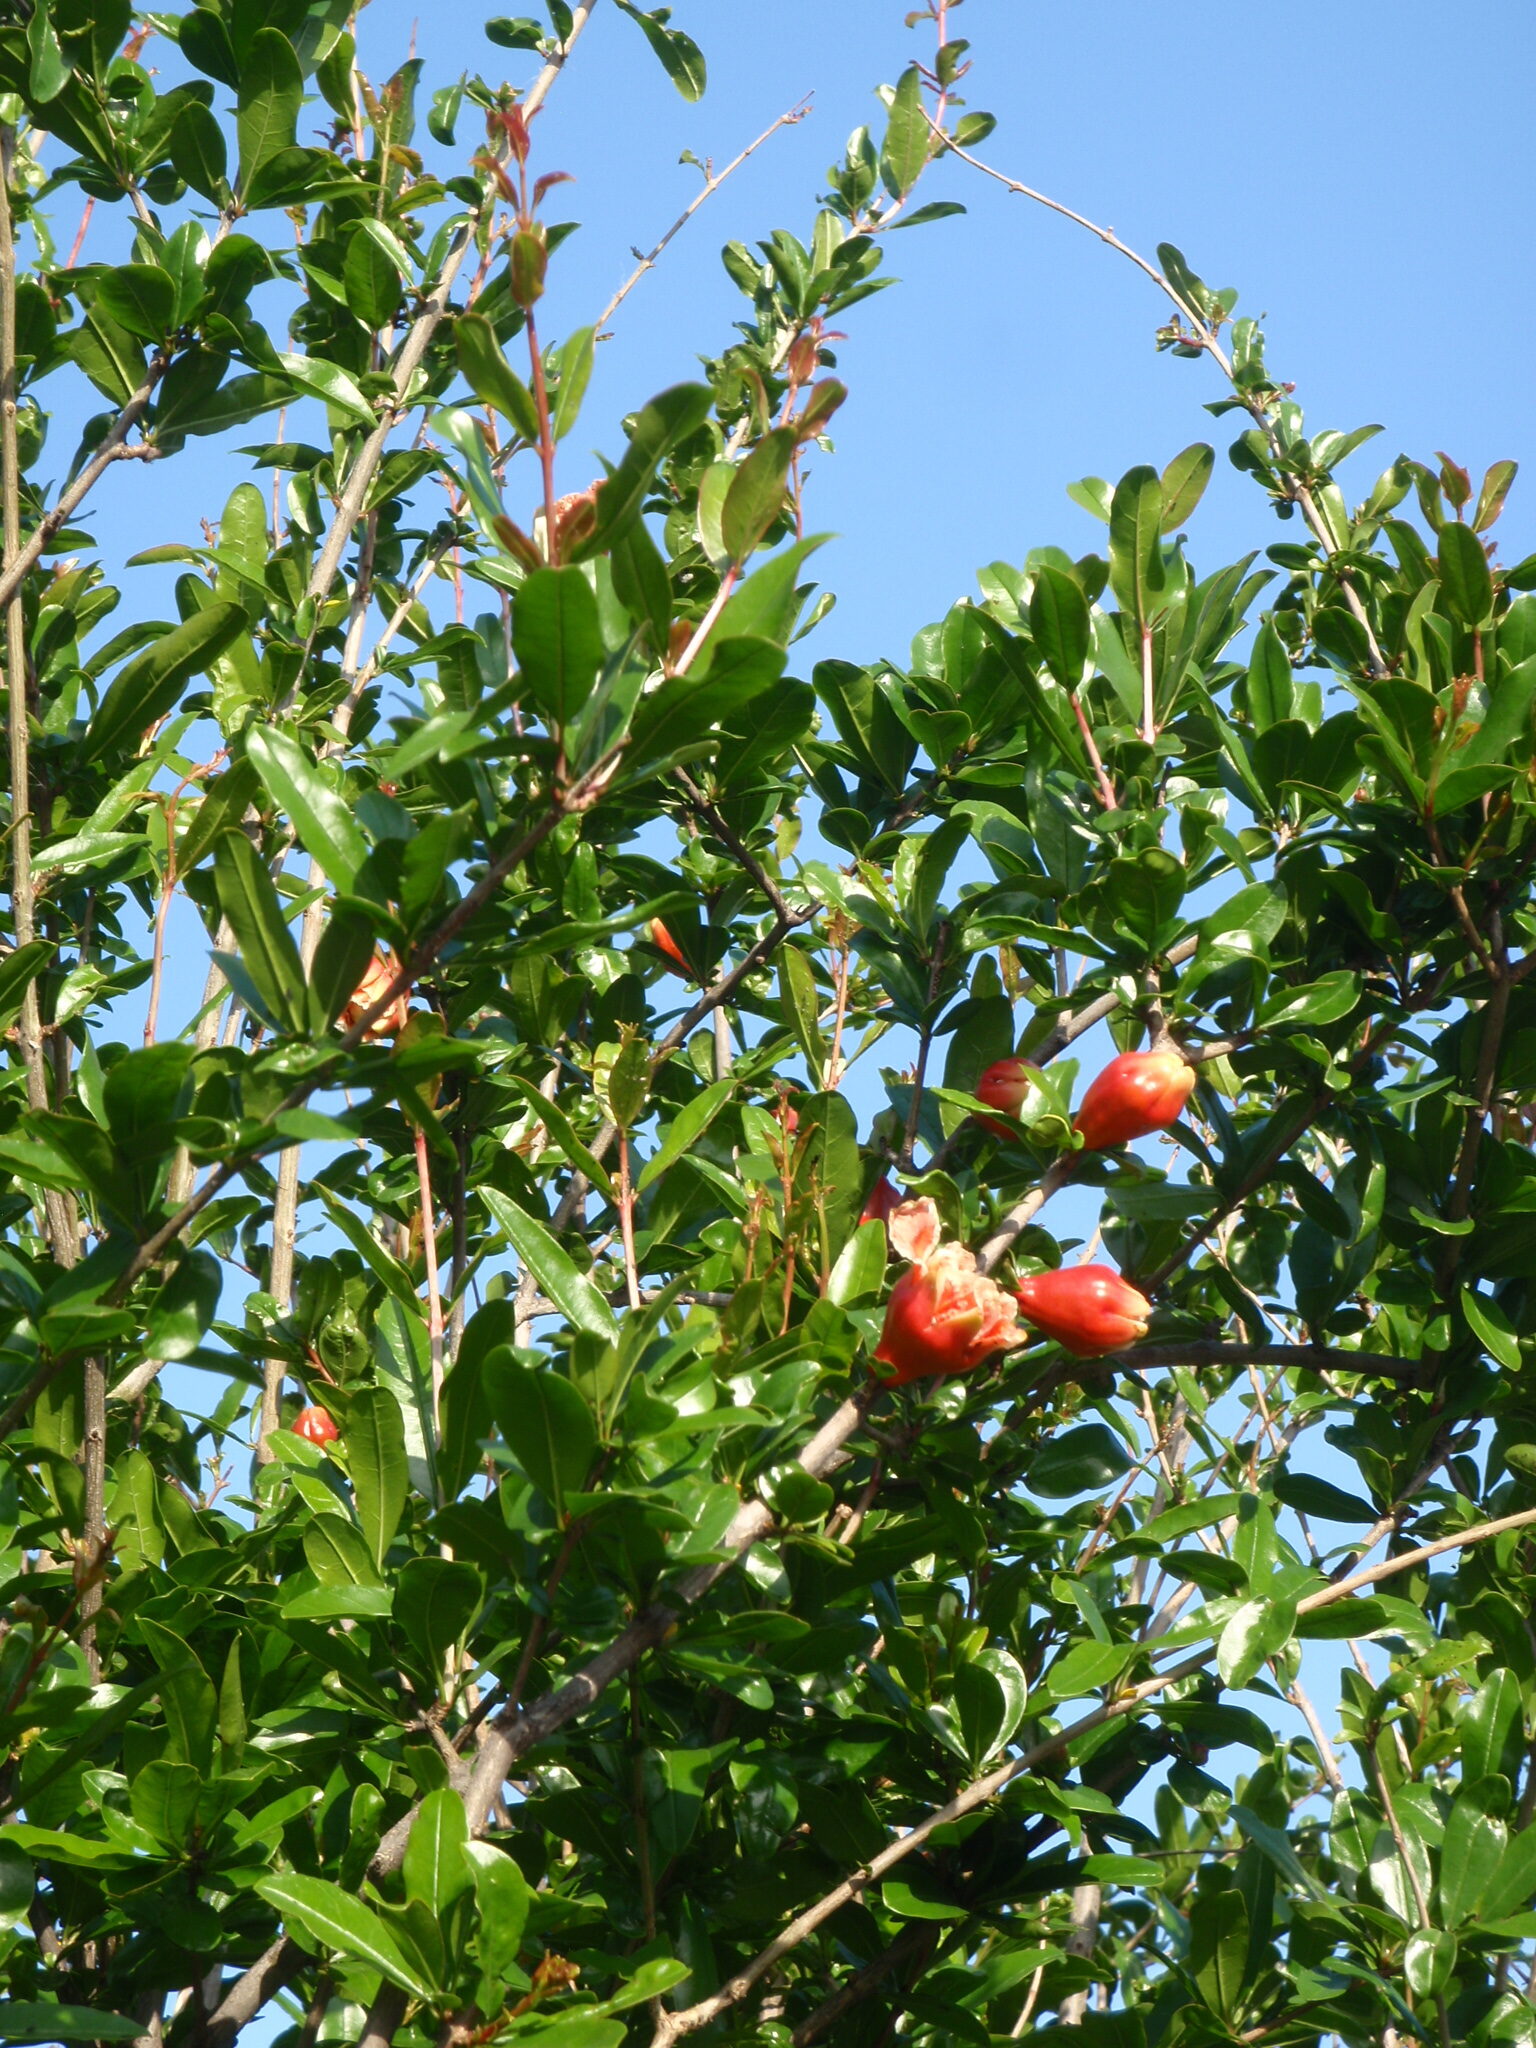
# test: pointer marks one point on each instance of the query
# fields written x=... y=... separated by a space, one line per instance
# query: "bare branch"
x=250 y=1992
x=713 y=181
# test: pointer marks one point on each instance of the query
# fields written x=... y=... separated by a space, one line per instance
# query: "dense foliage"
x=610 y=1652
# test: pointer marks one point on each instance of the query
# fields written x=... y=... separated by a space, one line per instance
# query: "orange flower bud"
x=316 y=1426
x=1088 y=1309
x=1005 y=1086
x=377 y=976
x=1137 y=1093
x=664 y=941
x=943 y=1315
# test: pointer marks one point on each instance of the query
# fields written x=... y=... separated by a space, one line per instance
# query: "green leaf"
x=766 y=605
x=324 y=380
x=1465 y=578
x=908 y=137
x=1080 y=1460
x=18 y=1880
x=336 y=1920
x=271 y=92
x=756 y=494
x=491 y=377
x=376 y=1462
x=336 y=1553
x=18 y=970
x=1255 y=1633
x=1513 y=1884
x=144 y=691
x=327 y=830
x=187 y=1695
x=557 y=640
x=436 y=1870
x=1473 y=1850
x=859 y=1271
x=575 y=367
x=1086 y=1667
x=1183 y=484
x=141 y=297
x=669 y=418
x=1312 y=1496
x=163 y=1799
x=800 y=1004
x=1218 y=1949
x=250 y=901
x=681 y=57
x=684 y=1131
x=27 y=2020
x=1491 y=1326
x=502 y=1900
x=1060 y=625
x=546 y=1424
x=197 y=151
x=435 y=1601
x=560 y=1128
x=1135 y=542
x=341 y=960
x=561 y=1279
x=1271 y=690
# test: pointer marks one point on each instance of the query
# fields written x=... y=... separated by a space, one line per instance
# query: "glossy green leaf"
x=341 y=1923
x=551 y=1265
x=557 y=641
x=144 y=691
x=377 y=1465
x=271 y=91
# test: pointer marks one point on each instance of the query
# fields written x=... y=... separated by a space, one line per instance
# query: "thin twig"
x=713 y=181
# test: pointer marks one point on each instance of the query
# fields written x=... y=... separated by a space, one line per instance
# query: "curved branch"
x=1206 y=337
x=112 y=449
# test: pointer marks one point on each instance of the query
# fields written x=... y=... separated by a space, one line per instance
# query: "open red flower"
x=944 y=1316
x=377 y=976
x=1088 y=1309
x=1136 y=1094
x=884 y=1199
x=1005 y=1086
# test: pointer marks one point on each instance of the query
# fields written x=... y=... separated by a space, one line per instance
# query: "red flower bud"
x=663 y=939
x=885 y=1198
x=1137 y=1093
x=316 y=1426
x=1088 y=1309
x=943 y=1315
x=1005 y=1085
x=377 y=976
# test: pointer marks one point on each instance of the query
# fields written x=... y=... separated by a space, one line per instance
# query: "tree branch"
x=514 y=1731
x=713 y=181
x=675 y=2024
x=250 y=1992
